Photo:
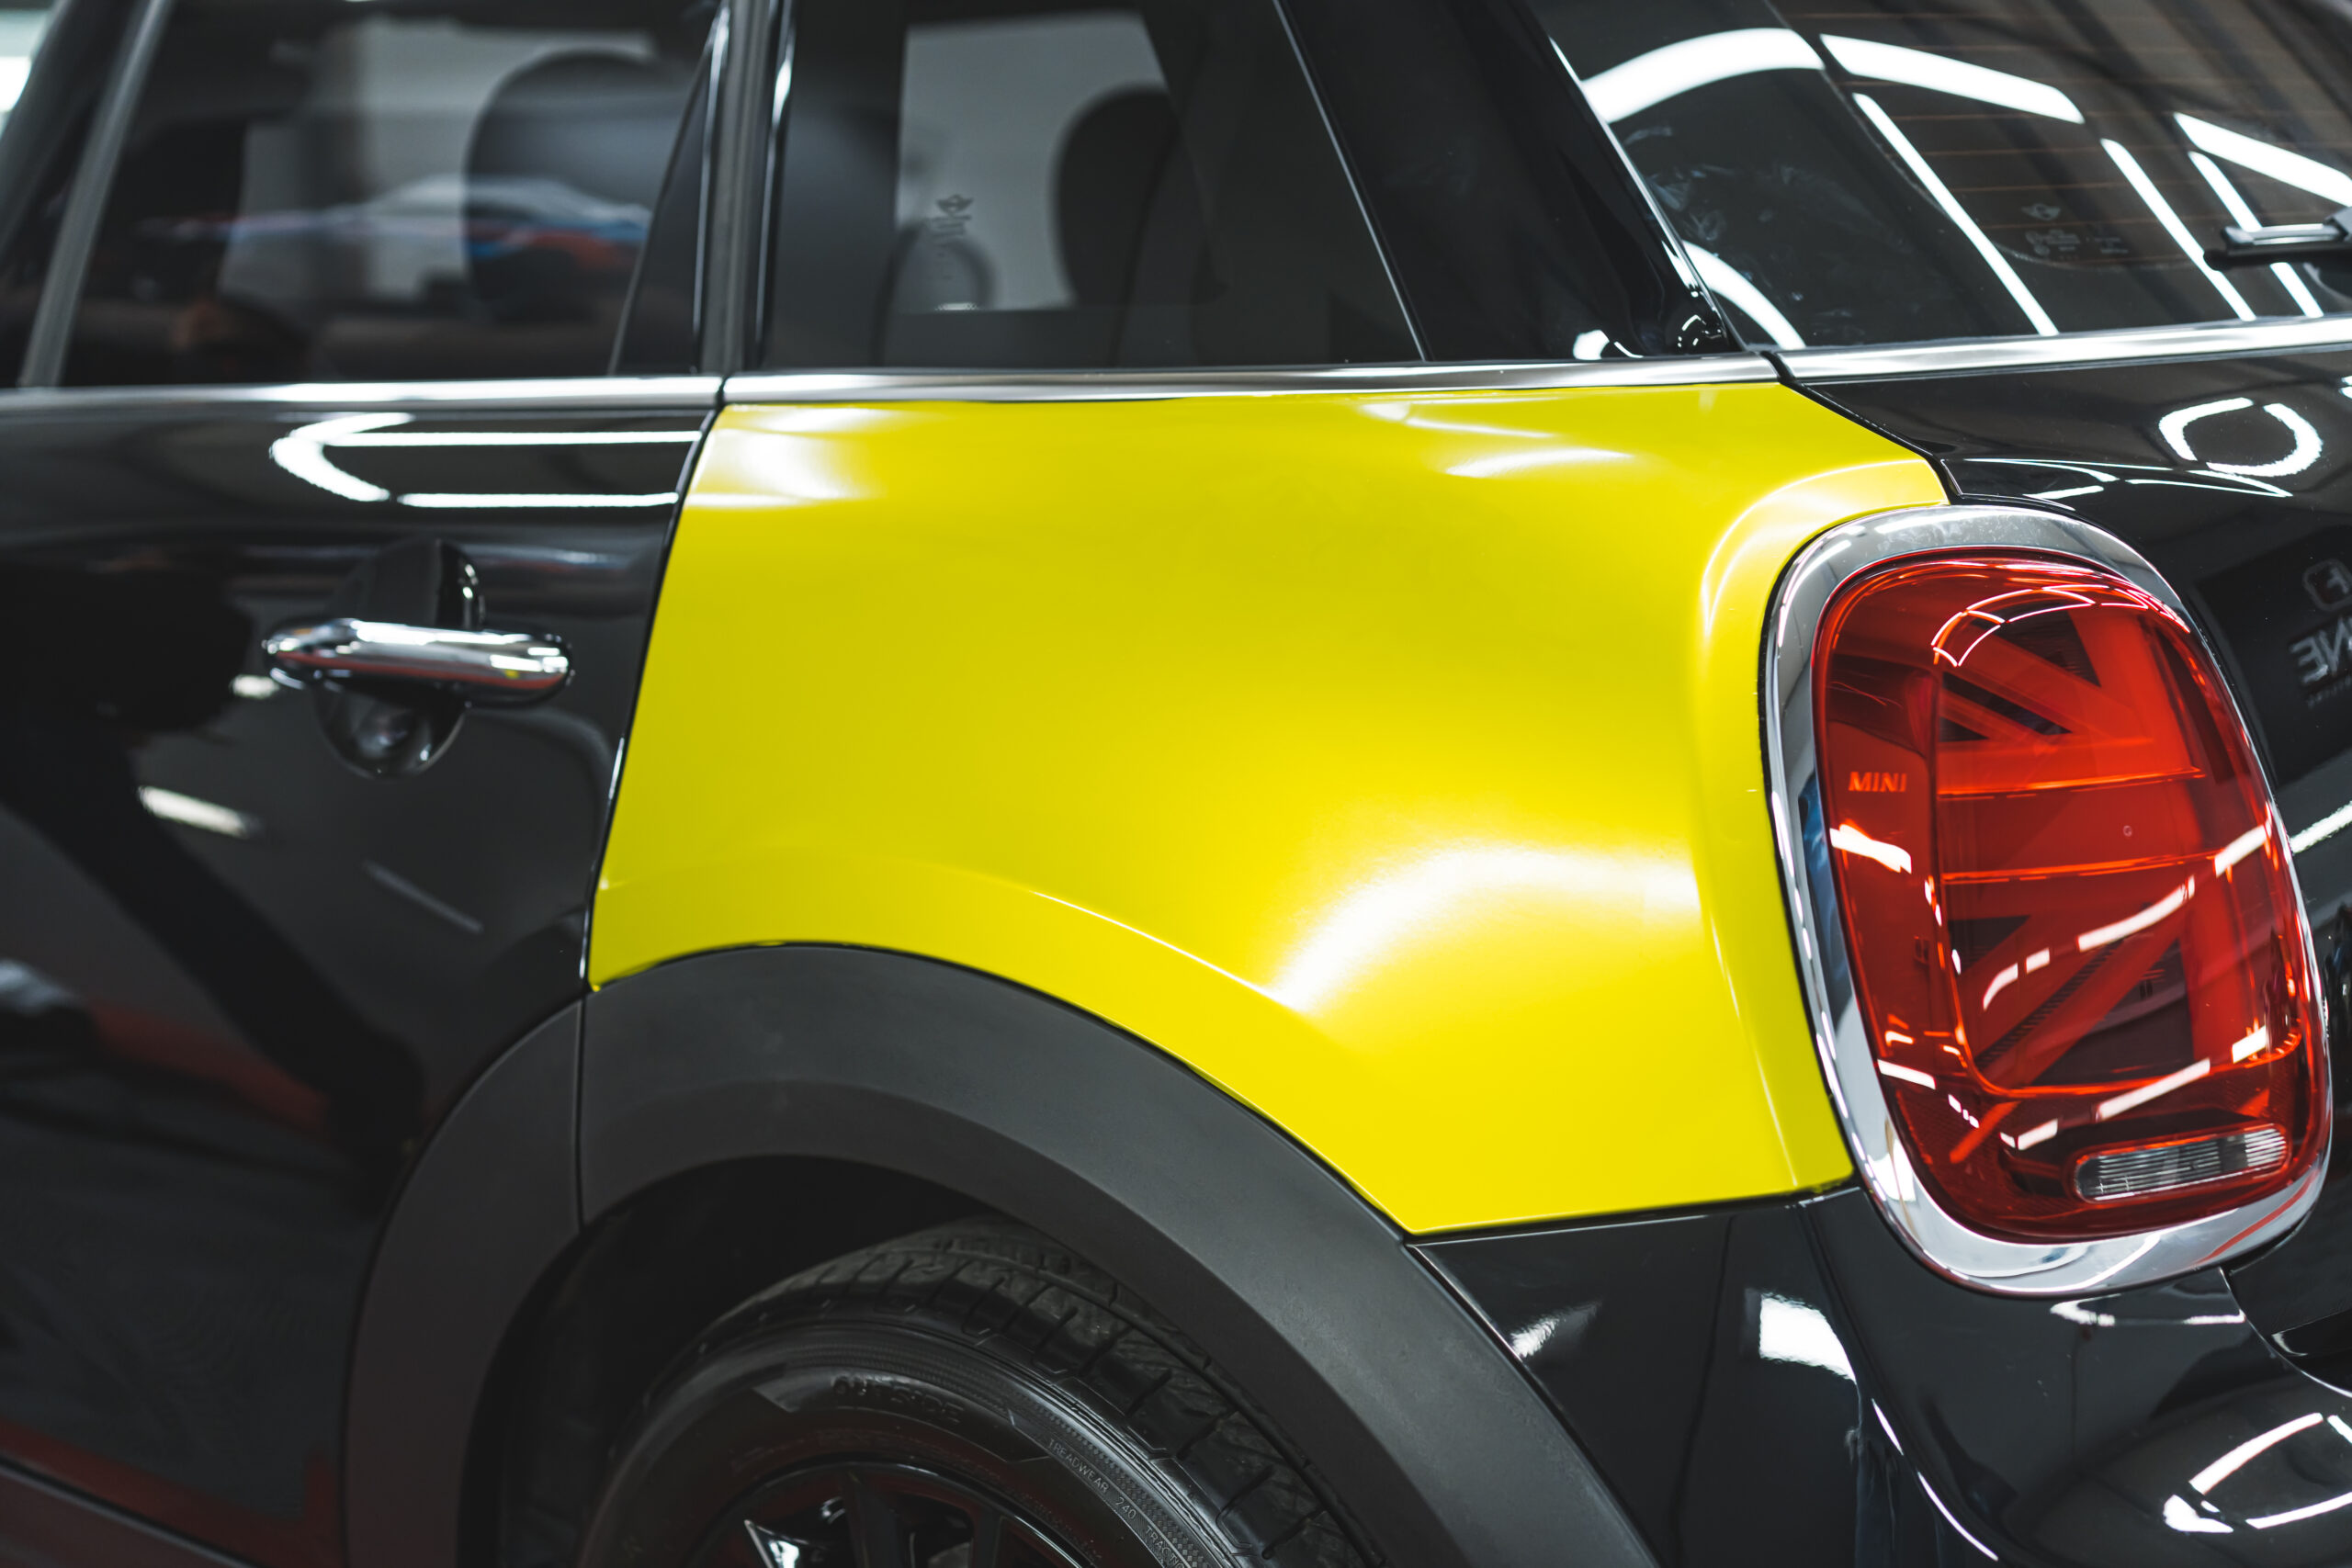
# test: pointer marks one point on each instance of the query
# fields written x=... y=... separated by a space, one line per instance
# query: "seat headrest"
x=599 y=123
x=1126 y=209
x=562 y=179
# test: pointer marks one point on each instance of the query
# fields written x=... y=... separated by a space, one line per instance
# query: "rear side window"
x=1876 y=171
x=1039 y=184
x=44 y=119
x=21 y=26
x=320 y=190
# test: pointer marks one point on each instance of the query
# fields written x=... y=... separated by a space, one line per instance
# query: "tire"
x=969 y=1397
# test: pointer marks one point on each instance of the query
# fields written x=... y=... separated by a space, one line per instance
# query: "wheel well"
x=627 y=1298
x=994 y=1098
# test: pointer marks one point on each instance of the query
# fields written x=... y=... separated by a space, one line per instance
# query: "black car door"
x=333 y=494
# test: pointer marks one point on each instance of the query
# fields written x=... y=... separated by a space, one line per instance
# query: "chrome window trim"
x=1946 y=1245
x=556 y=395
x=1087 y=385
x=594 y=392
x=2207 y=340
x=745 y=95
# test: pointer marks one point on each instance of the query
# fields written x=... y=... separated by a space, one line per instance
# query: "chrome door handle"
x=504 y=668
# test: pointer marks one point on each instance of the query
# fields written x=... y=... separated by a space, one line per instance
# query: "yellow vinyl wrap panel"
x=1394 y=760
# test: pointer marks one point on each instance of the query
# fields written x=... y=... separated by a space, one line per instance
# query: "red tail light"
x=2075 y=943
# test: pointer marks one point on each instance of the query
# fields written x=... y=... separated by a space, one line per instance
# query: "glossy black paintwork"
x=2266 y=497
x=219 y=1048
x=1783 y=1383
x=2244 y=525
x=1646 y=1335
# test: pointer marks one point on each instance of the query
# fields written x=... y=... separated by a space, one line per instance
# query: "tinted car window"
x=1028 y=182
x=318 y=190
x=1882 y=170
x=1501 y=205
x=40 y=147
x=21 y=28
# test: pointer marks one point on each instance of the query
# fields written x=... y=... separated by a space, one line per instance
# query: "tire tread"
x=997 y=1284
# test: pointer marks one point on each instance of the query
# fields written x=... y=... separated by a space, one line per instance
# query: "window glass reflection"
x=21 y=28
x=314 y=190
x=1875 y=173
x=1041 y=183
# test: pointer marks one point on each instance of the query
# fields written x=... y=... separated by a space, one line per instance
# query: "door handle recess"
x=495 y=669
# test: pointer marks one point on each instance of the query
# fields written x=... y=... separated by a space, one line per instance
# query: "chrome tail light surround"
x=1940 y=1239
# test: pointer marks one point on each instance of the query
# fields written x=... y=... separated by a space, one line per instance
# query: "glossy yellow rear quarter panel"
x=1394 y=760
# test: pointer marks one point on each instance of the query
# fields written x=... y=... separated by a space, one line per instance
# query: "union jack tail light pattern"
x=2074 y=937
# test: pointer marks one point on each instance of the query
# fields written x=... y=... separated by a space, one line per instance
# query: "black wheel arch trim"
x=487 y=1212
x=1307 y=1296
